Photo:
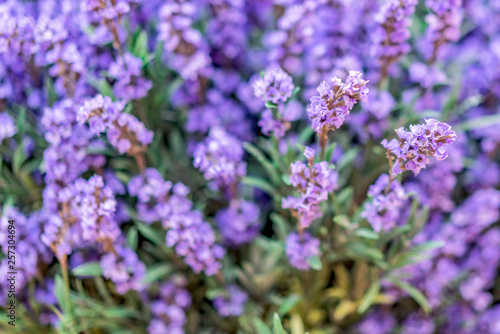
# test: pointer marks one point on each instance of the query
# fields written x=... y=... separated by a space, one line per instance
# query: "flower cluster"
x=232 y=303
x=443 y=24
x=219 y=157
x=129 y=83
x=187 y=232
x=125 y=132
x=169 y=308
x=329 y=109
x=275 y=86
x=7 y=126
x=414 y=147
x=390 y=39
x=123 y=267
x=301 y=248
x=387 y=201
x=315 y=181
x=239 y=223
x=185 y=48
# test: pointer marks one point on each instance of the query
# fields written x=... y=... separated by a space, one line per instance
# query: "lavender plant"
x=228 y=166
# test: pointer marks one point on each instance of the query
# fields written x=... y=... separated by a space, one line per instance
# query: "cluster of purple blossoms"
x=300 y=248
x=187 y=232
x=414 y=147
x=169 y=309
x=26 y=233
x=186 y=50
x=219 y=111
x=232 y=303
x=7 y=126
x=94 y=204
x=315 y=181
x=86 y=209
x=443 y=24
x=227 y=31
x=437 y=195
x=390 y=39
x=123 y=267
x=66 y=158
x=372 y=121
x=276 y=87
x=219 y=157
x=379 y=321
x=387 y=200
x=129 y=83
x=107 y=14
x=329 y=109
x=124 y=131
x=239 y=223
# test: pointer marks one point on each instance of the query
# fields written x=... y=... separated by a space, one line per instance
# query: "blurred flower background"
x=264 y=166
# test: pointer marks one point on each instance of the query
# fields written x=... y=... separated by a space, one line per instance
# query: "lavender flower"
x=387 y=200
x=125 y=132
x=239 y=223
x=186 y=50
x=415 y=146
x=124 y=269
x=86 y=217
x=7 y=126
x=275 y=86
x=187 y=232
x=233 y=303
x=219 y=157
x=443 y=24
x=194 y=239
x=300 y=248
x=169 y=309
x=390 y=39
x=377 y=322
x=329 y=109
x=127 y=73
x=315 y=182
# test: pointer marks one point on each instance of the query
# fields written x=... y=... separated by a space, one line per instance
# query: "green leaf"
x=88 y=269
x=429 y=245
x=141 y=45
x=119 y=312
x=259 y=156
x=289 y=303
x=478 y=122
x=329 y=151
x=367 y=234
x=156 y=273
x=271 y=105
x=132 y=238
x=261 y=184
x=261 y=327
x=369 y=297
x=59 y=290
x=149 y=233
x=413 y=292
x=315 y=262
x=364 y=251
x=294 y=93
x=18 y=159
x=342 y=220
x=348 y=158
x=211 y=294
x=277 y=326
x=279 y=225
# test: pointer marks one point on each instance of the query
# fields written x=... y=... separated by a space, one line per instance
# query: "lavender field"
x=241 y=167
